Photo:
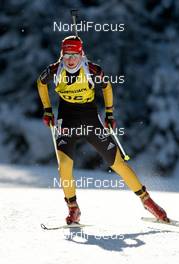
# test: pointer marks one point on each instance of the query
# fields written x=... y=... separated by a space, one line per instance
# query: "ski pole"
x=54 y=141
x=74 y=14
x=126 y=157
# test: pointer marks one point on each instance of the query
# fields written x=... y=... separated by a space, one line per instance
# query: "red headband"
x=74 y=45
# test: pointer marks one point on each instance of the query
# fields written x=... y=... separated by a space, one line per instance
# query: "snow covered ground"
x=28 y=198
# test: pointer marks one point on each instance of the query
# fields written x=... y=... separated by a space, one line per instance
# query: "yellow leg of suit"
x=119 y=166
x=128 y=175
x=66 y=175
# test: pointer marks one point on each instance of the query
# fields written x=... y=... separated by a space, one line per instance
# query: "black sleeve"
x=48 y=74
x=97 y=72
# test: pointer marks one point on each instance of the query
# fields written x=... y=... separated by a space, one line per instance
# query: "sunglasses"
x=72 y=55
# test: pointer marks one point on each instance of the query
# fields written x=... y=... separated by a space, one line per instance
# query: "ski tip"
x=74 y=225
x=43 y=226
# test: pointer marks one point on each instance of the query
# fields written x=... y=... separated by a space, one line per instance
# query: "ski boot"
x=74 y=212
x=154 y=208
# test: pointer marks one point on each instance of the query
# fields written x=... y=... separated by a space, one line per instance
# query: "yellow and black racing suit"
x=78 y=109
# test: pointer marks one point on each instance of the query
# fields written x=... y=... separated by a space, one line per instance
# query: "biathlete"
x=75 y=78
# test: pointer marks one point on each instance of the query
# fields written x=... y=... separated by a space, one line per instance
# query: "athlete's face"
x=72 y=59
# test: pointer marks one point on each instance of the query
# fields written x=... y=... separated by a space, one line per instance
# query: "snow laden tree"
x=164 y=106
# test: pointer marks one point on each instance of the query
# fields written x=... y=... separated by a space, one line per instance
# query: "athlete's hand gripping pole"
x=126 y=157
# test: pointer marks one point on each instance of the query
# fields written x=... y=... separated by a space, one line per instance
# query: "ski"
x=63 y=226
x=155 y=220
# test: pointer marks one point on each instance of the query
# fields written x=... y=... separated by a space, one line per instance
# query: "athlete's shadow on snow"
x=115 y=242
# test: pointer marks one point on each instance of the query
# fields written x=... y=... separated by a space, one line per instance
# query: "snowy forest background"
x=147 y=53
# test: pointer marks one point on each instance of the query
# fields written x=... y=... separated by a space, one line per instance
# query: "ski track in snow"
x=117 y=235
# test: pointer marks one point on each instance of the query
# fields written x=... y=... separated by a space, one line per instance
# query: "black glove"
x=109 y=120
